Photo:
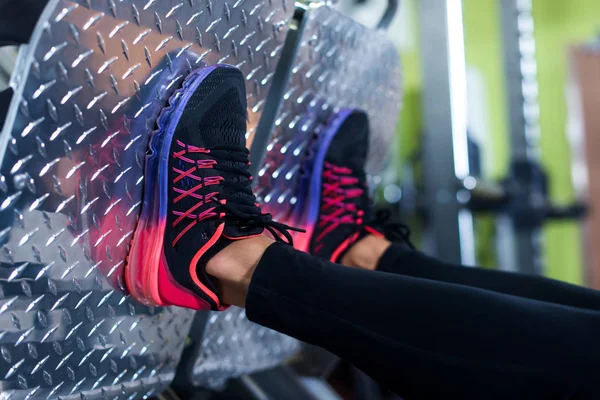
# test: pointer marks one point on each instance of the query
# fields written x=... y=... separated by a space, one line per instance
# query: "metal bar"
x=274 y=384
x=315 y=362
x=521 y=77
x=521 y=82
x=445 y=141
x=282 y=75
x=183 y=382
x=389 y=14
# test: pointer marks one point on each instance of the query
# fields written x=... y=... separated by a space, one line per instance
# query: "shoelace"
x=190 y=165
x=237 y=206
x=393 y=231
x=257 y=219
x=340 y=188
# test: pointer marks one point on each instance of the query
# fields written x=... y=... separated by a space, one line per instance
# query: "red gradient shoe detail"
x=194 y=265
x=346 y=244
x=153 y=273
x=214 y=180
x=196 y=165
x=242 y=237
x=188 y=214
x=339 y=186
x=173 y=293
x=374 y=232
x=142 y=266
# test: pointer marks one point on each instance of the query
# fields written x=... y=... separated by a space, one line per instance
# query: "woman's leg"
x=422 y=338
x=377 y=253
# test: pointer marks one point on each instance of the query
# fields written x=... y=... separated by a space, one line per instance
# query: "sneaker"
x=198 y=197
x=338 y=209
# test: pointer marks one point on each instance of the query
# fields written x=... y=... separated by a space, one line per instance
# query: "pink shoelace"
x=339 y=186
x=194 y=165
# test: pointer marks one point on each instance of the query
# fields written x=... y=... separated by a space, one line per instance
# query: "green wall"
x=483 y=50
x=559 y=24
x=410 y=123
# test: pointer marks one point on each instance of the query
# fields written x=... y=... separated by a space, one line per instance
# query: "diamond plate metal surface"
x=233 y=346
x=340 y=64
x=88 y=90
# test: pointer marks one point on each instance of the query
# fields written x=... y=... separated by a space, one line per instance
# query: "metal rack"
x=453 y=195
x=445 y=147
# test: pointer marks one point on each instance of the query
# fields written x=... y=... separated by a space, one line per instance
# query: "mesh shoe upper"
x=210 y=199
x=346 y=211
x=344 y=199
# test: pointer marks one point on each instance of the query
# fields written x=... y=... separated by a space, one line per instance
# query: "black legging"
x=429 y=330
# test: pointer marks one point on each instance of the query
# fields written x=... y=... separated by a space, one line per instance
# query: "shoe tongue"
x=225 y=124
x=350 y=145
x=349 y=148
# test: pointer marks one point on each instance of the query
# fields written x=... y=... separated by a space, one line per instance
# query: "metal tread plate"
x=233 y=346
x=340 y=64
x=88 y=89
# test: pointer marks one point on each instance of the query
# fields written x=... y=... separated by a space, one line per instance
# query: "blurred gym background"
x=531 y=80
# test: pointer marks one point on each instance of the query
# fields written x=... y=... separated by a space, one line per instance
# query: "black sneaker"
x=198 y=197
x=338 y=208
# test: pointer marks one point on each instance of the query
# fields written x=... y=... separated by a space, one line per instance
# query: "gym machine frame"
x=453 y=195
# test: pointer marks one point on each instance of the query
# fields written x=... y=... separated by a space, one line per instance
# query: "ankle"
x=366 y=252
x=233 y=267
